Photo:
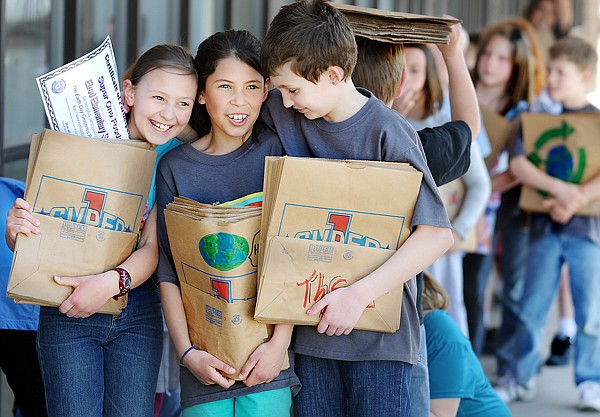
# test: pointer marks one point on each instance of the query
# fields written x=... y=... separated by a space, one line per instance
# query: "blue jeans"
x=545 y=258
x=419 y=382
x=103 y=365
x=514 y=265
x=333 y=388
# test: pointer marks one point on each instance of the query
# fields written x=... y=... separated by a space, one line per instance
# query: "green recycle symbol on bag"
x=559 y=161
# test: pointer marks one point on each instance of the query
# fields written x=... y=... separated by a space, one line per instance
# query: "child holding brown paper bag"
x=105 y=364
x=331 y=118
x=559 y=237
x=225 y=163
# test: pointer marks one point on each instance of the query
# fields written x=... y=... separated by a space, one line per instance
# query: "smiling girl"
x=225 y=163
x=107 y=365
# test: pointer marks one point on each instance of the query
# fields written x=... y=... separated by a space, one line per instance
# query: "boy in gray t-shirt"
x=310 y=52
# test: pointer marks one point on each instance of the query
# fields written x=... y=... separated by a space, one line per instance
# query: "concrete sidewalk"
x=556 y=393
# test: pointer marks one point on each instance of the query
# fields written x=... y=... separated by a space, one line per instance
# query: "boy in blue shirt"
x=310 y=52
x=559 y=237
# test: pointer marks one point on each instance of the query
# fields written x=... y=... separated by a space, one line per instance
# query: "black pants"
x=19 y=362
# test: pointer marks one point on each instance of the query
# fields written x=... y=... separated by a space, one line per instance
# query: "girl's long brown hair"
x=529 y=73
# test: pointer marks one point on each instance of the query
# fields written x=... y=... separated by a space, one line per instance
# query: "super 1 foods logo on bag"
x=342 y=226
x=87 y=204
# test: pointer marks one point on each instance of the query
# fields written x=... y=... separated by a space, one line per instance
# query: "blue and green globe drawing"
x=559 y=161
x=224 y=251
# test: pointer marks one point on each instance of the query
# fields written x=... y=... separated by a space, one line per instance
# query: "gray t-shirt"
x=376 y=133
x=188 y=172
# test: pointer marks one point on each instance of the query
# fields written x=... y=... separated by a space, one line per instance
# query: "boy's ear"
x=335 y=75
x=128 y=92
x=402 y=84
x=587 y=76
x=265 y=90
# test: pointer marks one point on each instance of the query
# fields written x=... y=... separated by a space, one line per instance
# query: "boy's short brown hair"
x=577 y=51
x=312 y=35
x=379 y=67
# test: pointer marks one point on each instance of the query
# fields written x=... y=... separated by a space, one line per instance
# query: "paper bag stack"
x=89 y=196
x=396 y=27
x=325 y=225
x=215 y=251
x=565 y=147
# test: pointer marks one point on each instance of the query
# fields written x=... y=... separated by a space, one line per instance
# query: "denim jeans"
x=514 y=266
x=333 y=388
x=545 y=258
x=103 y=365
x=419 y=382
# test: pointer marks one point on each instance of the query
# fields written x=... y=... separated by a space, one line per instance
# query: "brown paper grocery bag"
x=453 y=195
x=65 y=249
x=216 y=262
x=102 y=183
x=566 y=147
x=228 y=331
x=215 y=257
x=74 y=181
x=297 y=273
x=500 y=132
x=366 y=203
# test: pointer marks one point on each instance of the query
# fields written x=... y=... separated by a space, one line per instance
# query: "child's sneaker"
x=589 y=396
x=510 y=391
x=527 y=391
x=561 y=351
x=506 y=388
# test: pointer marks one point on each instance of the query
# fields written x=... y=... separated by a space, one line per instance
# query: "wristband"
x=124 y=282
x=185 y=353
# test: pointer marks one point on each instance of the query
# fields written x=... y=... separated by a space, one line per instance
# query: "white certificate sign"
x=83 y=97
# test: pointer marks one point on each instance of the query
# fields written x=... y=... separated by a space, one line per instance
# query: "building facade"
x=39 y=35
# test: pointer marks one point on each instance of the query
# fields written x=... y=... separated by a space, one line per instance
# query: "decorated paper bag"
x=566 y=147
x=364 y=203
x=297 y=273
x=216 y=262
x=218 y=258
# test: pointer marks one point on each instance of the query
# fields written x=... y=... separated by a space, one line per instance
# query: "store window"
x=26 y=33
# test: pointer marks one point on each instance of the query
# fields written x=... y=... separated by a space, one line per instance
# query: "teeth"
x=160 y=126
x=237 y=117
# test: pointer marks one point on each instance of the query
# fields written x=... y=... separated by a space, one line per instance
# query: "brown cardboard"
x=577 y=134
x=298 y=273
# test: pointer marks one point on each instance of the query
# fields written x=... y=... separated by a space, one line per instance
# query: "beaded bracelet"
x=185 y=353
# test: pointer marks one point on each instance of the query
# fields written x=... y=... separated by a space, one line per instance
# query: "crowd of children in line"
x=312 y=89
